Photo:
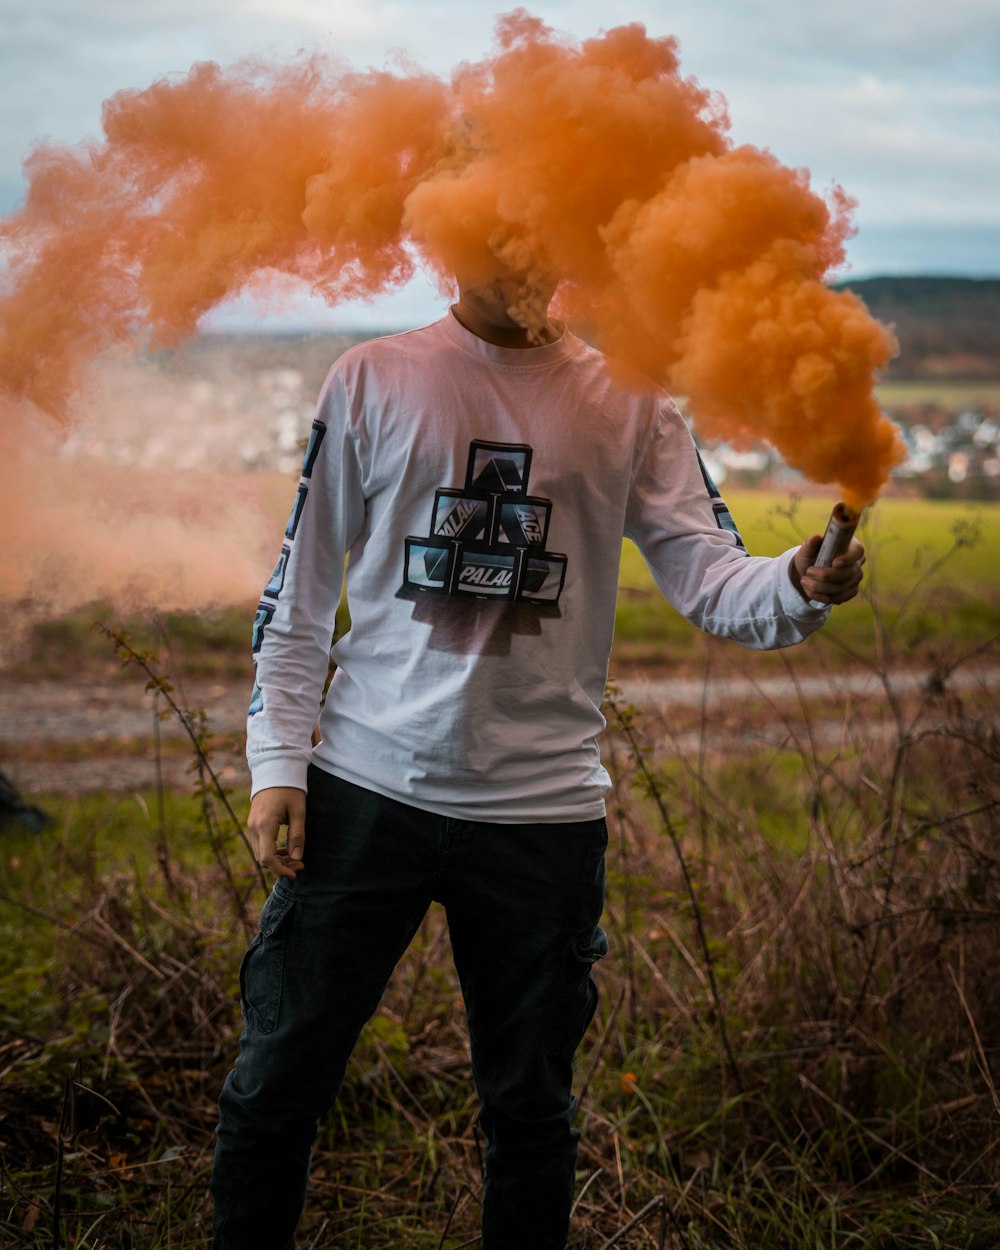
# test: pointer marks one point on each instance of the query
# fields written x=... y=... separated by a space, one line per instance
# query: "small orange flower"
x=629 y=1082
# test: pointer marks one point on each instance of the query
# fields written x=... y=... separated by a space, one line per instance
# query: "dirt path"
x=101 y=735
x=817 y=710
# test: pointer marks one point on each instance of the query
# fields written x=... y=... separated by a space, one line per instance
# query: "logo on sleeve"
x=723 y=517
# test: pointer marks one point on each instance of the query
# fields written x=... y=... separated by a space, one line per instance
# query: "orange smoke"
x=689 y=260
x=92 y=529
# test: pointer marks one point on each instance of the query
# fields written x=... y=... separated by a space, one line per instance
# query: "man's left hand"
x=836 y=584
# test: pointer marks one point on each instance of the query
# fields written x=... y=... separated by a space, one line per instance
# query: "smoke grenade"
x=837 y=535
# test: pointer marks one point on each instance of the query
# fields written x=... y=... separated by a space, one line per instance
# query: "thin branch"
x=158 y=683
x=624 y=720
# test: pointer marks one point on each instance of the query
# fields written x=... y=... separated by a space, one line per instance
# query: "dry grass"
x=798 y=1043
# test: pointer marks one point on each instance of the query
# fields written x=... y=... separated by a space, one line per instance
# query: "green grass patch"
x=933 y=573
x=953 y=395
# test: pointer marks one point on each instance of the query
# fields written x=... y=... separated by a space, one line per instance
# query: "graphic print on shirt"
x=723 y=517
x=276 y=582
x=486 y=539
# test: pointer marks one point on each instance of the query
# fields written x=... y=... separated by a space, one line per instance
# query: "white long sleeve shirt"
x=480 y=495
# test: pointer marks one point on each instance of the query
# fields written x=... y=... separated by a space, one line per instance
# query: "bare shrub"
x=798 y=1042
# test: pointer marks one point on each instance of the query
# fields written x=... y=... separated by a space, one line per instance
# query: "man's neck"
x=492 y=323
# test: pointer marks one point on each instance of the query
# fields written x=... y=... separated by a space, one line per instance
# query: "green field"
x=938 y=561
x=946 y=393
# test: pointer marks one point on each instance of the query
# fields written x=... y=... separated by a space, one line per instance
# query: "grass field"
x=933 y=573
x=948 y=394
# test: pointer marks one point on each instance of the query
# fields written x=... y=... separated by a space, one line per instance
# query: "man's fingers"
x=833 y=585
x=297 y=827
x=851 y=561
x=266 y=846
x=810 y=548
x=838 y=582
x=269 y=811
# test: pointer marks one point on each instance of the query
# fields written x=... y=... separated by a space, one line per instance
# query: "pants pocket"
x=576 y=1001
x=263 y=968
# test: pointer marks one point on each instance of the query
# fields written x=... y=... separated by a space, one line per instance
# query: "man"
x=480 y=474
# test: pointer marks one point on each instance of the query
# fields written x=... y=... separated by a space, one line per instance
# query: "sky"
x=898 y=101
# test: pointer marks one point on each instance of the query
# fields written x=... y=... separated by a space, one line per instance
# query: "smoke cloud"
x=83 y=522
x=690 y=261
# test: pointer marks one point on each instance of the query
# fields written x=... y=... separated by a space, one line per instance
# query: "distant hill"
x=947 y=327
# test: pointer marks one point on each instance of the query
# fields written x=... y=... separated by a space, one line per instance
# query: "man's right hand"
x=269 y=811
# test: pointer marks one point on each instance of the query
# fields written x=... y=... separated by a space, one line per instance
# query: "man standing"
x=479 y=477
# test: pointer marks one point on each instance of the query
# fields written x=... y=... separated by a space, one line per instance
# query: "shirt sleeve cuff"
x=278 y=769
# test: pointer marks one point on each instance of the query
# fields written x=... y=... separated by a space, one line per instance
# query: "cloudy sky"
x=897 y=100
